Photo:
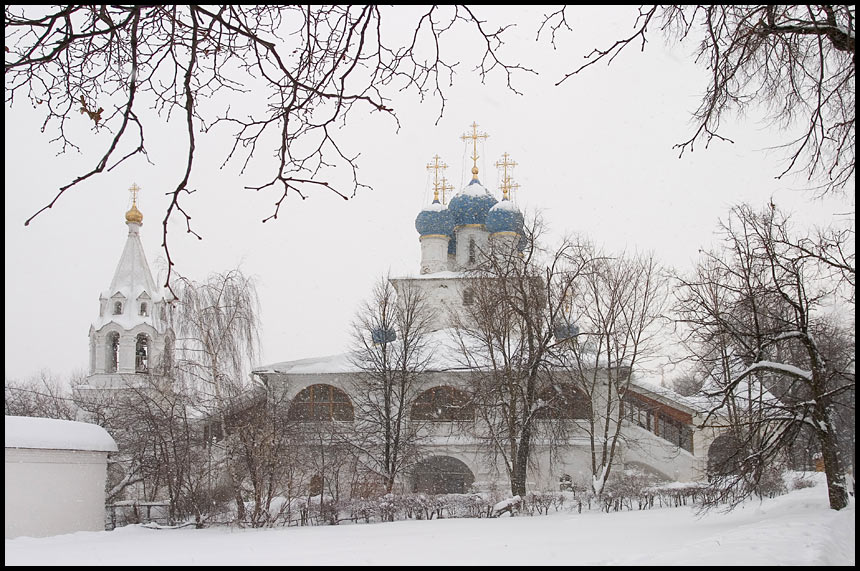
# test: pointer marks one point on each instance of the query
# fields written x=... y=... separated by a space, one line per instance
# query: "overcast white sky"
x=594 y=154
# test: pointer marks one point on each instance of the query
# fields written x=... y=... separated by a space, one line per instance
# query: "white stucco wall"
x=443 y=290
x=637 y=448
x=53 y=483
x=434 y=253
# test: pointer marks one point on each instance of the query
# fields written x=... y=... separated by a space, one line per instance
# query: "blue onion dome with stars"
x=470 y=205
x=504 y=217
x=433 y=219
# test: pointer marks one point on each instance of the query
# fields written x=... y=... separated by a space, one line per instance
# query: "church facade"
x=659 y=427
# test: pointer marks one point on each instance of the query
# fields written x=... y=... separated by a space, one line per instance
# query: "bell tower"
x=131 y=334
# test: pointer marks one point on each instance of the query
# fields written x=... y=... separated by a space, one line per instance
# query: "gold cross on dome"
x=134 y=189
x=507 y=185
x=474 y=136
x=436 y=165
x=511 y=187
x=445 y=186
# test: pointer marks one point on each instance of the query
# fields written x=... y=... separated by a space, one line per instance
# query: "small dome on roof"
x=470 y=205
x=565 y=330
x=380 y=335
x=434 y=219
x=134 y=215
x=505 y=217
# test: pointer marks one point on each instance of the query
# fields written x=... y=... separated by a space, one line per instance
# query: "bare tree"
x=161 y=447
x=296 y=72
x=506 y=336
x=390 y=348
x=754 y=313
x=617 y=309
x=43 y=395
x=264 y=441
x=327 y=460
x=795 y=62
x=217 y=337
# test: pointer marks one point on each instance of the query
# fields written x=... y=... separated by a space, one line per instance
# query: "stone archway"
x=441 y=475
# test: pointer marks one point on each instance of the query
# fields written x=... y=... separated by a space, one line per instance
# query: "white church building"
x=659 y=434
x=131 y=333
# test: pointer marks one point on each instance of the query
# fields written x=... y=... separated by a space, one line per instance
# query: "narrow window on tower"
x=117 y=308
x=141 y=354
x=471 y=250
x=112 y=356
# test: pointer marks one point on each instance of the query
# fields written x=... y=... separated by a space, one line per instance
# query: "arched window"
x=472 y=250
x=112 y=352
x=144 y=310
x=441 y=475
x=321 y=402
x=443 y=404
x=563 y=401
x=117 y=308
x=141 y=354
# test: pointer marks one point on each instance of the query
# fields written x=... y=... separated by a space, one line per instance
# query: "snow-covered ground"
x=795 y=529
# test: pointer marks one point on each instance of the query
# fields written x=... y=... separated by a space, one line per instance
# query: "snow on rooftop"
x=434 y=207
x=505 y=205
x=666 y=393
x=444 y=275
x=445 y=356
x=474 y=189
x=339 y=363
x=54 y=434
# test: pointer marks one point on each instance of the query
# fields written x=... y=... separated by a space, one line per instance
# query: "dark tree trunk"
x=518 y=480
x=837 y=491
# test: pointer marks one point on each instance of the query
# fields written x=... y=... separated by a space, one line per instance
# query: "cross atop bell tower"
x=131 y=333
x=134 y=189
x=134 y=215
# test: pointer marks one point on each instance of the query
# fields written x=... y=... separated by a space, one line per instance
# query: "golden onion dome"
x=134 y=215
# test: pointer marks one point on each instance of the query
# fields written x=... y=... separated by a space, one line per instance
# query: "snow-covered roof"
x=132 y=275
x=505 y=205
x=54 y=434
x=473 y=188
x=445 y=355
x=133 y=280
x=339 y=363
x=664 y=393
x=710 y=397
x=444 y=275
x=434 y=206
